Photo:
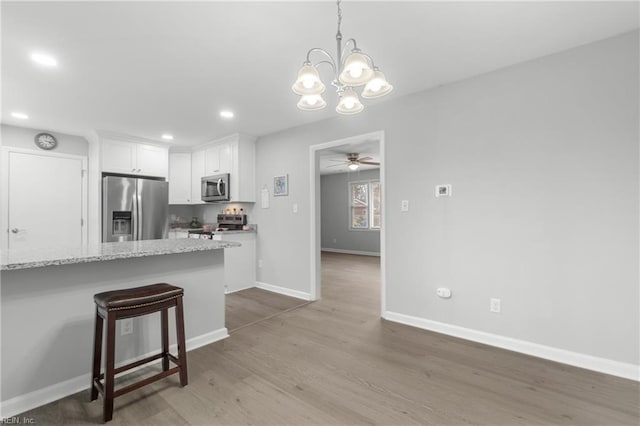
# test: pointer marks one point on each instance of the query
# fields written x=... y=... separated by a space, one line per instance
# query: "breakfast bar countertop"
x=53 y=256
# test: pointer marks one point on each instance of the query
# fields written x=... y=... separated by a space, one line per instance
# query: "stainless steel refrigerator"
x=134 y=209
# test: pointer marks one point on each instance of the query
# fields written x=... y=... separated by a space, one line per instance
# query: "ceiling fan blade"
x=364 y=159
x=335 y=165
x=342 y=161
x=372 y=163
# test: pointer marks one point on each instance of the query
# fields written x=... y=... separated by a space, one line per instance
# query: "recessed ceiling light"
x=42 y=59
x=20 y=115
x=167 y=137
x=226 y=114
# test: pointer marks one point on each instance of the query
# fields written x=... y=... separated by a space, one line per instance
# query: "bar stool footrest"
x=145 y=382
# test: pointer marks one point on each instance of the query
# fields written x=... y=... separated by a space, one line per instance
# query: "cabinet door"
x=152 y=160
x=225 y=158
x=240 y=262
x=197 y=172
x=118 y=156
x=180 y=178
x=212 y=161
x=218 y=159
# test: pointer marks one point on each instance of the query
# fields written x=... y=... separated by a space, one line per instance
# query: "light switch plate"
x=295 y=208
x=404 y=206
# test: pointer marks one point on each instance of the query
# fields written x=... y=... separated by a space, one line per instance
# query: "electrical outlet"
x=260 y=263
x=494 y=305
x=443 y=292
x=335 y=240
x=404 y=206
x=126 y=326
x=295 y=208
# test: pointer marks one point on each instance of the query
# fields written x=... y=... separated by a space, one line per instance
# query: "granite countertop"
x=53 y=256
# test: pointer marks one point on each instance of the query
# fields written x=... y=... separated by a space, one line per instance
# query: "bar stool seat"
x=128 y=303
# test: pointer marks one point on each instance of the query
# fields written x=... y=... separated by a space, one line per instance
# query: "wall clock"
x=46 y=141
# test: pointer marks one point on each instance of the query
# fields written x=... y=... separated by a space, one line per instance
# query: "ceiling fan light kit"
x=354 y=70
x=354 y=161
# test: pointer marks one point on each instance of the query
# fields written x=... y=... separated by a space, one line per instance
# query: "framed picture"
x=280 y=185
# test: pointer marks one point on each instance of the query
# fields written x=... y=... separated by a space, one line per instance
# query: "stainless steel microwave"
x=215 y=188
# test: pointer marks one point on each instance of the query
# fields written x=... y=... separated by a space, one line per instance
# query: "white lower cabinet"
x=239 y=262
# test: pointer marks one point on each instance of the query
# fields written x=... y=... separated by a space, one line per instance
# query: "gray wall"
x=543 y=159
x=23 y=137
x=334 y=193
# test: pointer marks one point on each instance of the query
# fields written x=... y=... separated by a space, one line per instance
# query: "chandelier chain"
x=339 y=15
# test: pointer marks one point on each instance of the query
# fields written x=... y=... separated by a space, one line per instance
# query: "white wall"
x=543 y=159
x=23 y=137
x=335 y=212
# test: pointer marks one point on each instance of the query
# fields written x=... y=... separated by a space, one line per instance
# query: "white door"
x=44 y=199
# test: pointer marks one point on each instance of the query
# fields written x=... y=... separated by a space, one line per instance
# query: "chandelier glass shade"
x=349 y=102
x=311 y=102
x=308 y=82
x=350 y=69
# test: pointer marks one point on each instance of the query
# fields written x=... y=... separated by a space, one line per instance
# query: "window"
x=364 y=205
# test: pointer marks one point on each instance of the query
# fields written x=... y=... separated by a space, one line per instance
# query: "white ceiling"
x=147 y=68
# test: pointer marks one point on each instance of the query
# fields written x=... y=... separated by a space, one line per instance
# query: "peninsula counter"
x=48 y=310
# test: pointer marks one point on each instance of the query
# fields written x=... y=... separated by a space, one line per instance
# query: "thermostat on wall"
x=443 y=190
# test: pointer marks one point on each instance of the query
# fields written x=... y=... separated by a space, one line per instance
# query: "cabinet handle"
x=139 y=170
x=133 y=170
x=15 y=230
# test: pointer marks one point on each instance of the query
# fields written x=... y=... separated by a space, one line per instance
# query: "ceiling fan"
x=354 y=160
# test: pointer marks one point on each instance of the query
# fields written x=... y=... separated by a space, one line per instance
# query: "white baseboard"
x=603 y=365
x=37 y=398
x=239 y=289
x=283 y=290
x=361 y=253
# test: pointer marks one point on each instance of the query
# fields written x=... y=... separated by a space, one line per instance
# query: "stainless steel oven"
x=215 y=188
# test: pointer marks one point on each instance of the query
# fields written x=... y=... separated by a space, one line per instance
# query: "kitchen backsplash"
x=207 y=213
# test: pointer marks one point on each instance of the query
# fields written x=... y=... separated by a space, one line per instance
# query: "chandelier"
x=354 y=70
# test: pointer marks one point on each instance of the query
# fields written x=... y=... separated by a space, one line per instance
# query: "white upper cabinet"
x=152 y=160
x=180 y=178
x=197 y=172
x=243 y=179
x=133 y=158
x=118 y=156
x=235 y=155
x=218 y=159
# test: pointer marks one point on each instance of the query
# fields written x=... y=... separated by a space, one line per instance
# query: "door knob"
x=15 y=230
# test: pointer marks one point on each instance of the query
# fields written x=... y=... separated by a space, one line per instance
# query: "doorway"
x=44 y=198
x=317 y=155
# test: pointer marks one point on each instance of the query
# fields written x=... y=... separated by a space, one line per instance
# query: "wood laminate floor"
x=336 y=362
x=246 y=307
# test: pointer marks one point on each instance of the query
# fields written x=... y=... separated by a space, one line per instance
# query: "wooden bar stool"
x=114 y=305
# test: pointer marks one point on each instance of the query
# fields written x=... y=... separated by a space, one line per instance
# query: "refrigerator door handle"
x=134 y=216
x=139 y=213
